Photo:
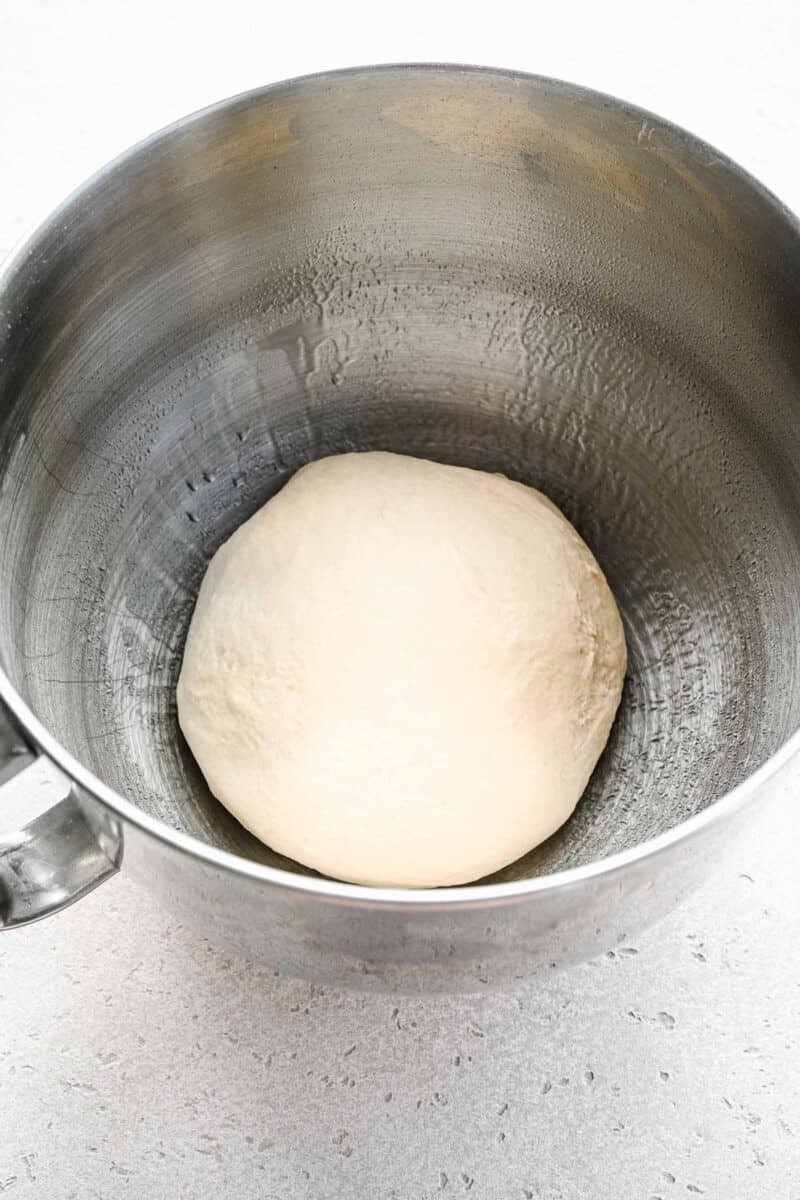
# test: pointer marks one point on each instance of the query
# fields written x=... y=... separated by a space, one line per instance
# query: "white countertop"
x=138 y=1060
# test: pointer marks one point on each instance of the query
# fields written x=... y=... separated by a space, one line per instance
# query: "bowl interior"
x=479 y=268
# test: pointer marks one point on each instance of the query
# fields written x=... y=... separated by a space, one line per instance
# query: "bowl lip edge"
x=473 y=895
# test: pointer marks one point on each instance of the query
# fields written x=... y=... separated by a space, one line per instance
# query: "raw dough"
x=402 y=673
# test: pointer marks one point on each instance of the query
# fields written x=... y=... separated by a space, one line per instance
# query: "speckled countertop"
x=138 y=1060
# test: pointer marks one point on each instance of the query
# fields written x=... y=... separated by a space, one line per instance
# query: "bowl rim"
x=474 y=895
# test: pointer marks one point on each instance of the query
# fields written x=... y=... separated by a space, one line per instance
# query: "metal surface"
x=58 y=857
x=480 y=267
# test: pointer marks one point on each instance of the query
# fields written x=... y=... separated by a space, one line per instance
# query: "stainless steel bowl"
x=474 y=266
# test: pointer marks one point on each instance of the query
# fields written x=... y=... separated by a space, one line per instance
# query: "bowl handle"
x=58 y=856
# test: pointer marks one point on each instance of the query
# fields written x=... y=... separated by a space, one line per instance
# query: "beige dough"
x=401 y=673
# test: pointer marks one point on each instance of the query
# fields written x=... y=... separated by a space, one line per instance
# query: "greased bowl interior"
x=470 y=266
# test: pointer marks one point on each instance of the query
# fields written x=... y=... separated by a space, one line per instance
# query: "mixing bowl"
x=473 y=266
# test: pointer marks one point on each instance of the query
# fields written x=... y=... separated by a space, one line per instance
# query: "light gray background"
x=138 y=1060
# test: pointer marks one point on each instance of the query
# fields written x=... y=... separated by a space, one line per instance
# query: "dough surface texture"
x=401 y=673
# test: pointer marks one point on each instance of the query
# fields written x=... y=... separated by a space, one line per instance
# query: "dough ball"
x=401 y=673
